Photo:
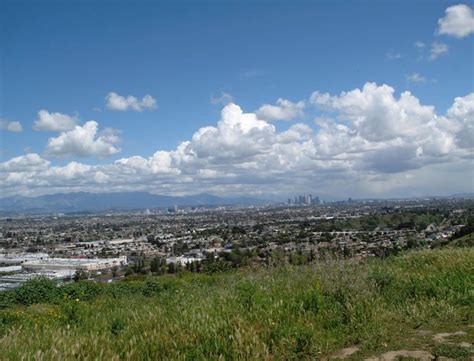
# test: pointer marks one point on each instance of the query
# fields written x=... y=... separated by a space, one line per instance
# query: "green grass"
x=465 y=241
x=288 y=312
x=452 y=351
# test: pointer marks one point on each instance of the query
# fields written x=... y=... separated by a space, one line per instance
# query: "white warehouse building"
x=74 y=264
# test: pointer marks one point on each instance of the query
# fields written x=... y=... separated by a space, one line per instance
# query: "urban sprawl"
x=110 y=246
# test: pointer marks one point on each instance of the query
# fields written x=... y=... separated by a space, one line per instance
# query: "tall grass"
x=288 y=312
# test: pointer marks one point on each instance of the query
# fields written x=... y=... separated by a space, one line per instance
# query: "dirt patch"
x=424 y=332
x=392 y=355
x=441 y=337
x=344 y=353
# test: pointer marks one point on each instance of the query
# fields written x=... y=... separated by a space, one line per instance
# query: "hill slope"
x=288 y=312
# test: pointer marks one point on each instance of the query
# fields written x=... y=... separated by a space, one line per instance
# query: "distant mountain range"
x=82 y=202
x=99 y=202
x=462 y=195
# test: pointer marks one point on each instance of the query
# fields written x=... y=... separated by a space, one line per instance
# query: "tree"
x=139 y=266
x=80 y=275
x=171 y=268
x=155 y=265
x=114 y=271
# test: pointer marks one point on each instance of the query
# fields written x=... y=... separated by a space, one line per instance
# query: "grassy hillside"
x=464 y=241
x=288 y=312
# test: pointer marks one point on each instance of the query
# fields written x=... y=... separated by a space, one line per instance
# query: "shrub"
x=37 y=290
x=116 y=326
x=121 y=289
x=151 y=287
x=82 y=290
x=72 y=311
x=7 y=299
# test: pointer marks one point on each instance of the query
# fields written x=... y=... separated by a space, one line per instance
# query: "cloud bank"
x=367 y=142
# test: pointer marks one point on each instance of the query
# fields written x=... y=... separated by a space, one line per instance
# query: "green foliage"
x=123 y=289
x=284 y=312
x=7 y=299
x=80 y=275
x=463 y=241
x=117 y=326
x=151 y=287
x=72 y=311
x=313 y=299
x=37 y=290
x=82 y=290
x=452 y=351
x=247 y=294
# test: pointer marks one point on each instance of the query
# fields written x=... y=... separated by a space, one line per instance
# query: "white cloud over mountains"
x=458 y=21
x=120 y=103
x=369 y=140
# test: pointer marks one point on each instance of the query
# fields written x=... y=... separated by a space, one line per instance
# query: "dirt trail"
x=393 y=355
x=451 y=339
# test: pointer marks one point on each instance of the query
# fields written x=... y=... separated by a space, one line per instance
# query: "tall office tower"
x=309 y=199
x=289 y=201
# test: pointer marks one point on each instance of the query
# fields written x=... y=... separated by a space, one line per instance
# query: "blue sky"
x=65 y=57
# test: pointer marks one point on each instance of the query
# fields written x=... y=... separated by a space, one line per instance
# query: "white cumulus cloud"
x=55 y=122
x=458 y=21
x=462 y=112
x=283 y=110
x=83 y=141
x=368 y=142
x=24 y=163
x=10 y=126
x=120 y=103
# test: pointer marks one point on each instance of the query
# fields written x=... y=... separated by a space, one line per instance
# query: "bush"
x=37 y=290
x=72 y=311
x=116 y=326
x=151 y=287
x=82 y=290
x=7 y=299
x=121 y=289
